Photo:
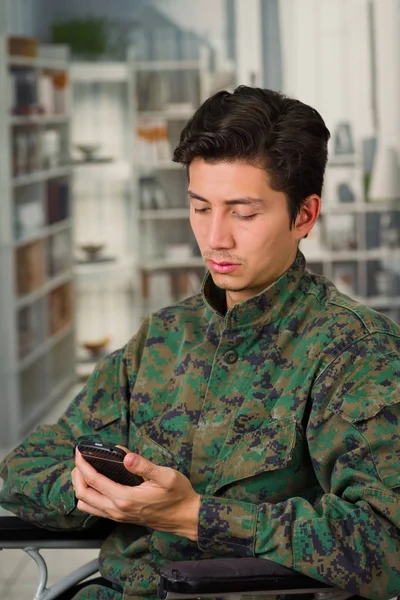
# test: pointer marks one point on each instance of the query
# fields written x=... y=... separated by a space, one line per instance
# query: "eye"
x=246 y=217
x=201 y=210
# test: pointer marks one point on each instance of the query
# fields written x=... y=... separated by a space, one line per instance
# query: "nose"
x=220 y=235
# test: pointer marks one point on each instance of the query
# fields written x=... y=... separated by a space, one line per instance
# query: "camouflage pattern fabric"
x=283 y=412
x=97 y=592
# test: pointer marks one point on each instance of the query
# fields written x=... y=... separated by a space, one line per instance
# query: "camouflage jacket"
x=284 y=413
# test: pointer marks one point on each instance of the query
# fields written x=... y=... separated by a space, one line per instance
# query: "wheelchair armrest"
x=16 y=533
x=221 y=576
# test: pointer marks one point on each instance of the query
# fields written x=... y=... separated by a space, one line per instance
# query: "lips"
x=223 y=267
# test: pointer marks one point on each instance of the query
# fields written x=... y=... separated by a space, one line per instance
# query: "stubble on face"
x=217 y=255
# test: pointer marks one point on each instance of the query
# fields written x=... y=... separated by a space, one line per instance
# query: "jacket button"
x=230 y=357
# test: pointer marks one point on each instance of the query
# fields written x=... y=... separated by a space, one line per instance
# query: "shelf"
x=344 y=160
x=358 y=207
x=51 y=284
x=168 y=65
x=44 y=348
x=39 y=176
x=168 y=115
x=159 y=264
x=113 y=169
x=37 y=63
x=160 y=166
x=164 y=214
x=38 y=119
x=99 y=269
x=45 y=232
x=347 y=255
x=382 y=302
x=104 y=72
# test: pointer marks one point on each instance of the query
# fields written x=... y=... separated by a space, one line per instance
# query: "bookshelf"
x=103 y=112
x=37 y=322
x=356 y=242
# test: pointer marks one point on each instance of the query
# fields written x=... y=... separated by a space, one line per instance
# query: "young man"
x=262 y=413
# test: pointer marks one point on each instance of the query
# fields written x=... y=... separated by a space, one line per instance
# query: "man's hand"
x=165 y=501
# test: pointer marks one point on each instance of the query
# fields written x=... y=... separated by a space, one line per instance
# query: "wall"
x=24 y=17
x=206 y=18
x=249 y=64
x=327 y=59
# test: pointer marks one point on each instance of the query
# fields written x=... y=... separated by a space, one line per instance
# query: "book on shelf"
x=59 y=253
x=60 y=307
x=58 y=200
x=30 y=272
x=37 y=93
x=153 y=147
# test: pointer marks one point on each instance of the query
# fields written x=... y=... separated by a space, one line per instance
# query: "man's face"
x=242 y=226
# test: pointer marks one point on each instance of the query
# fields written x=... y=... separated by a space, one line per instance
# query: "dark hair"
x=284 y=136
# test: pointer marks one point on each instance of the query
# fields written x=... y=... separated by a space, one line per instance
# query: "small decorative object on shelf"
x=92 y=251
x=152 y=195
x=343 y=143
x=97 y=348
x=23 y=46
x=154 y=147
x=90 y=155
x=89 y=151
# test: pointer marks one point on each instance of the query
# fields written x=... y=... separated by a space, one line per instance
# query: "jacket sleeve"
x=350 y=537
x=37 y=474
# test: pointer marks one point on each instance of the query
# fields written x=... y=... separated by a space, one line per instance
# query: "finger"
x=92 y=478
x=93 y=498
x=87 y=508
x=123 y=448
x=78 y=481
x=112 y=514
x=149 y=471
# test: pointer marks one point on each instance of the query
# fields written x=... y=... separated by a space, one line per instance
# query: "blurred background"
x=94 y=229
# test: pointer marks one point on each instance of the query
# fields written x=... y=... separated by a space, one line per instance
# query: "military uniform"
x=284 y=413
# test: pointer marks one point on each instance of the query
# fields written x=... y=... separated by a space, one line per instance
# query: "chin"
x=228 y=286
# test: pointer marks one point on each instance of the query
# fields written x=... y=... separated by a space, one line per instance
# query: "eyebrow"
x=246 y=200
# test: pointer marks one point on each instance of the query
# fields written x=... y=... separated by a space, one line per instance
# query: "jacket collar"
x=275 y=301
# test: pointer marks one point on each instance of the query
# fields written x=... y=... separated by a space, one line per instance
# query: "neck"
x=236 y=296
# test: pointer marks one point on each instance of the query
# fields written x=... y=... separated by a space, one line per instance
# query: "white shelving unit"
x=37 y=324
x=356 y=243
x=103 y=116
x=167 y=95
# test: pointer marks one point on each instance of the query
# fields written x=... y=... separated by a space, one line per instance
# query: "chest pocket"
x=267 y=448
x=142 y=444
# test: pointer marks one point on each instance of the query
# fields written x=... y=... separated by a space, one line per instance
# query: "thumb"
x=141 y=466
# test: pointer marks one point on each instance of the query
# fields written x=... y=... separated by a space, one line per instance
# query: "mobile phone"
x=108 y=460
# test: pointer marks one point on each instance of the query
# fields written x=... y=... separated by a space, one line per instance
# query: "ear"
x=307 y=216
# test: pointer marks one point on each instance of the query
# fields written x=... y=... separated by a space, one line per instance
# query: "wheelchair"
x=217 y=578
